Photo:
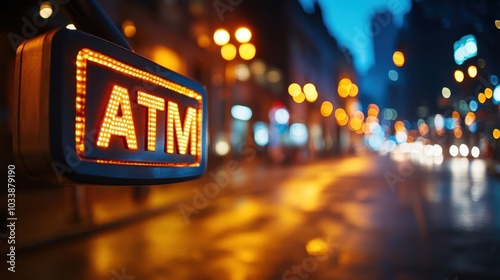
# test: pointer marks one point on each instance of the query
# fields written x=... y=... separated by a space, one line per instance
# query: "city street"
x=364 y=217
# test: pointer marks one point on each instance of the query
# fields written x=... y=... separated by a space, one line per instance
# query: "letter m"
x=183 y=133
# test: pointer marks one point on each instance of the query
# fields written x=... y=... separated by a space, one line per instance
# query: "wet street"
x=365 y=217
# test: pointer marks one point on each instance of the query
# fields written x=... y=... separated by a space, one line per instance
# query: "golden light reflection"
x=317 y=247
x=457 y=132
x=497 y=24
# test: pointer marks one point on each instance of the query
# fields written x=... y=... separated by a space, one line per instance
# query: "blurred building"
x=316 y=58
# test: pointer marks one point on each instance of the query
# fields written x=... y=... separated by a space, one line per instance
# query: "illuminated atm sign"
x=94 y=112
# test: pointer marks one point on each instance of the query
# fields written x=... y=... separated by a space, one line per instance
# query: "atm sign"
x=159 y=119
x=88 y=111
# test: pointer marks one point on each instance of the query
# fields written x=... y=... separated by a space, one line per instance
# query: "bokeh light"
x=398 y=58
x=228 y=52
x=459 y=76
x=472 y=70
x=326 y=108
x=446 y=92
x=243 y=35
x=294 y=89
x=221 y=37
x=247 y=51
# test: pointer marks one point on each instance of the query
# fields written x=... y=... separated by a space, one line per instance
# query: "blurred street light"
x=247 y=51
x=347 y=88
x=310 y=92
x=398 y=58
x=45 y=9
x=294 y=89
x=446 y=92
x=497 y=23
x=228 y=52
x=243 y=35
x=128 y=28
x=459 y=76
x=472 y=71
x=221 y=37
x=326 y=108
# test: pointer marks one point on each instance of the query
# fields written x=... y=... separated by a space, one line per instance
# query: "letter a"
x=114 y=124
